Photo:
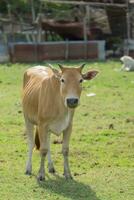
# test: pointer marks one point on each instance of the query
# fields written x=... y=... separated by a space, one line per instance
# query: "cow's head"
x=71 y=83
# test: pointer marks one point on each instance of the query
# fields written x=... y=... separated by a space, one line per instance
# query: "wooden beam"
x=86 y=3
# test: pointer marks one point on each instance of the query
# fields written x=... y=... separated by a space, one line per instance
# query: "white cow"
x=128 y=63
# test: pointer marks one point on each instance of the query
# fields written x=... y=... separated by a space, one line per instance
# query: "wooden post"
x=86 y=24
x=39 y=31
x=84 y=29
x=12 y=25
x=88 y=16
x=32 y=10
x=128 y=28
x=66 y=50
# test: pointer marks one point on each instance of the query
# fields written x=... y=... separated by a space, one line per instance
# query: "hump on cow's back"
x=40 y=71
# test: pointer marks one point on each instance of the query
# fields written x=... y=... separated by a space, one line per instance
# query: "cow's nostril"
x=72 y=102
x=75 y=101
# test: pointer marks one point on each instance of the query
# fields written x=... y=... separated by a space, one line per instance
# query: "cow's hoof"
x=68 y=177
x=27 y=172
x=52 y=170
x=41 y=177
x=28 y=169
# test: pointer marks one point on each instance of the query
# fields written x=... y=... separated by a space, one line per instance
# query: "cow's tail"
x=37 y=141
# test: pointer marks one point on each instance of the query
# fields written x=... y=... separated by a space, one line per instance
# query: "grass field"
x=101 y=147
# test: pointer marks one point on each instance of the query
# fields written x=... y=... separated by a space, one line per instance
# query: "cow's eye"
x=62 y=80
x=81 y=80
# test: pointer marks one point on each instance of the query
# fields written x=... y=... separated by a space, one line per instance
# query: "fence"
x=66 y=50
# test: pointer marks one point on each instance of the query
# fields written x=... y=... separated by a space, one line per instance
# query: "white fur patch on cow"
x=60 y=124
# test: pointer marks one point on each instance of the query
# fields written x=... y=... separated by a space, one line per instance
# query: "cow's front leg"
x=50 y=162
x=65 y=151
x=43 y=137
x=31 y=143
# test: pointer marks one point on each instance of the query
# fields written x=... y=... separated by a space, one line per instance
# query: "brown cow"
x=49 y=101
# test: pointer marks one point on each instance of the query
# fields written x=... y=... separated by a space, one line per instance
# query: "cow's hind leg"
x=50 y=162
x=31 y=144
x=43 y=137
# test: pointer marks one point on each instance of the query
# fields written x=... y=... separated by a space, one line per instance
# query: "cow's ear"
x=90 y=75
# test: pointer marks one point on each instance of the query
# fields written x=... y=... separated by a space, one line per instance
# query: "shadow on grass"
x=70 y=189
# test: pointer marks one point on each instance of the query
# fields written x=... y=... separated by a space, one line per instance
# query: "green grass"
x=101 y=147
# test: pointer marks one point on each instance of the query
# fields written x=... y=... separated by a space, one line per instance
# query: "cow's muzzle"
x=72 y=102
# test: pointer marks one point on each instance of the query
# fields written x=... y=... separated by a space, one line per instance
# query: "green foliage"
x=101 y=147
x=22 y=5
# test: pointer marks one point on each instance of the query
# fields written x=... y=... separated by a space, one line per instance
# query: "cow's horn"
x=61 y=67
x=81 y=67
x=49 y=65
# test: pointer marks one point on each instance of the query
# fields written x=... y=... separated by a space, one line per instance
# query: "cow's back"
x=38 y=72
